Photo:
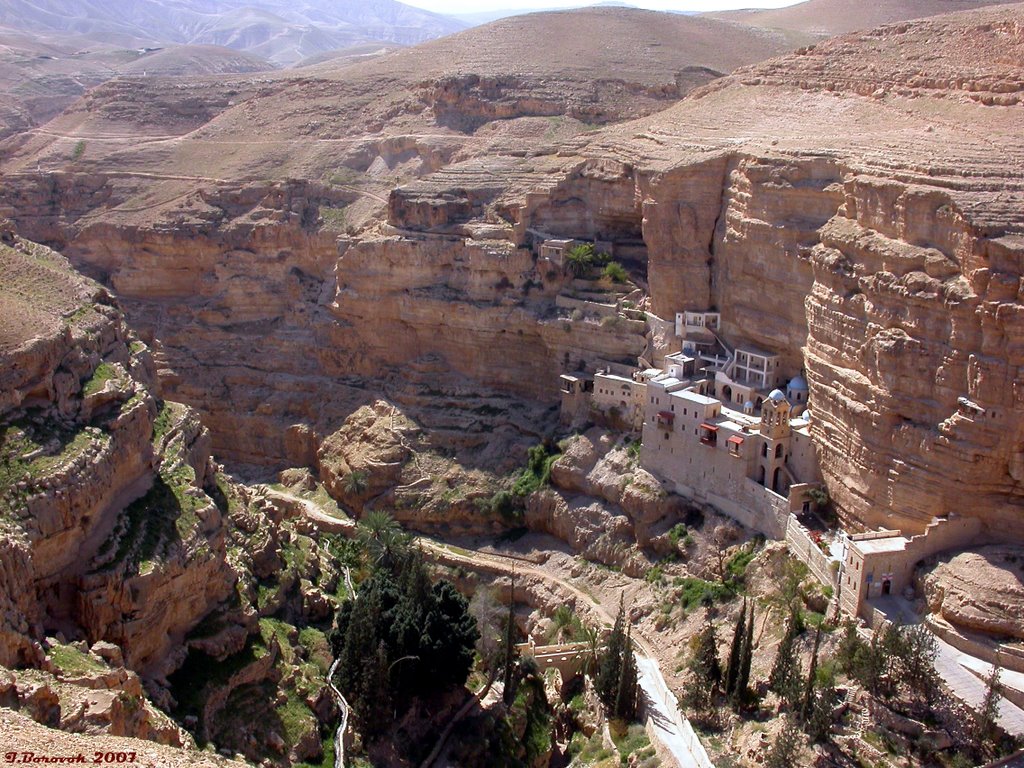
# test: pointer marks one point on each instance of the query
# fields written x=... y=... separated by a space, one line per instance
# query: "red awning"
x=666 y=417
x=709 y=427
x=735 y=440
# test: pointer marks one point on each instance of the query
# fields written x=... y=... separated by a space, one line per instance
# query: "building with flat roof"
x=881 y=563
x=741 y=463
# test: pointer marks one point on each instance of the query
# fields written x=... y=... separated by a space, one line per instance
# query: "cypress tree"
x=786 y=747
x=714 y=667
x=805 y=710
x=706 y=671
x=625 y=699
x=785 y=679
x=373 y=701
x=819 y=725
x=508 y=679
x=985 y=730
x=609 y=668
x=735 y=651
x=746 y=657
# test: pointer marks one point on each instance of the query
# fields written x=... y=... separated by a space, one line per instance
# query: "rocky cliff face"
x=852 y=221
x=880 y=253
x=128 y=558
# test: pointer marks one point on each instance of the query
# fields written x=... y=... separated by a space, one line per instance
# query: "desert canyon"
x=296 y=319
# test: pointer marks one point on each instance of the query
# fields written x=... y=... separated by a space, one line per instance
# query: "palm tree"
x=563 y=619
x=356 y=483
x=579 y=258
x=592 y=637
x=382 y=537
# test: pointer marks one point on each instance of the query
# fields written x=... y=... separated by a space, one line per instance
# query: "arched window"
x=764 y=450
x=778 y=450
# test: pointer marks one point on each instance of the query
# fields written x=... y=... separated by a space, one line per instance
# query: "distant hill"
x=483 y=17
x=40 y=77
x=371 y=121
x=835 y=17
x=282 y=31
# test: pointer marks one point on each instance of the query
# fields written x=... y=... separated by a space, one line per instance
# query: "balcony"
x=709 y=434
x=666 y=419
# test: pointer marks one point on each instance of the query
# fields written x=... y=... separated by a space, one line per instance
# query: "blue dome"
x=748 y=404
x=797 y=384
x=776 y=395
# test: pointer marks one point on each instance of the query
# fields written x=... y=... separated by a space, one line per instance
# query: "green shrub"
x=737 y=566
x=615 y=272
x=695 y=591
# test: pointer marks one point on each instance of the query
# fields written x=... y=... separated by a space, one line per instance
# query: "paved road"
x=955 y=668
x=965 y=675
x=670 y=727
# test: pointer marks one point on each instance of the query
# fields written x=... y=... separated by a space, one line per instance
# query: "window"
x=778 y=450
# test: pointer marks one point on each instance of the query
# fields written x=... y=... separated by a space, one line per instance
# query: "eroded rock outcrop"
x=981 y=590
x=881 y=256
x=133 y=572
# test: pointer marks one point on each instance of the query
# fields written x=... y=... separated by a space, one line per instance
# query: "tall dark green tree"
x=820 y=722
x=812 y=672
x=784 y=751
x=447 y=638
x=869 y=665
x=508 y=673
x=746 y=657
x=918 y=650
x=706 y=672
x=609 y=668
x=785 y=678
x=732 y=669
x=985 y=730
x=372 y=703
x=626 y=695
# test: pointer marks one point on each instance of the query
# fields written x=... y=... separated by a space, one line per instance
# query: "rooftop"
x=740 y=418
x=668 y=381
x=613 y=377
x=695 y=397
x=680 y=356
x=877 y=546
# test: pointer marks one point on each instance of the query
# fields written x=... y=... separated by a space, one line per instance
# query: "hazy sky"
x=476 y=6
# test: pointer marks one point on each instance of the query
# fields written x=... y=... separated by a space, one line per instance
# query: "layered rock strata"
x=132 y=570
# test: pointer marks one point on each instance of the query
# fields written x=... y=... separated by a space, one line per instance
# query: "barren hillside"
x=282 y=32
x=41 y=75
x=836 y=17
x=528 y=81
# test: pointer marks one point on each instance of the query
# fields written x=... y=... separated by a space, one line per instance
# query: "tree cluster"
x=895 y=656
x=737 y=673
x=401 y=637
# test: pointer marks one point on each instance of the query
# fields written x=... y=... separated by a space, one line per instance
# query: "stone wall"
x=803 y=546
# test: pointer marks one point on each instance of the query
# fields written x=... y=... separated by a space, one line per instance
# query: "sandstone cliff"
x=852 y=221
x=133 y=572
x=841 y=205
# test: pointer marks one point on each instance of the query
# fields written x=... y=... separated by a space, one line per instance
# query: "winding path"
x=339 y=735
x=667 y=723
